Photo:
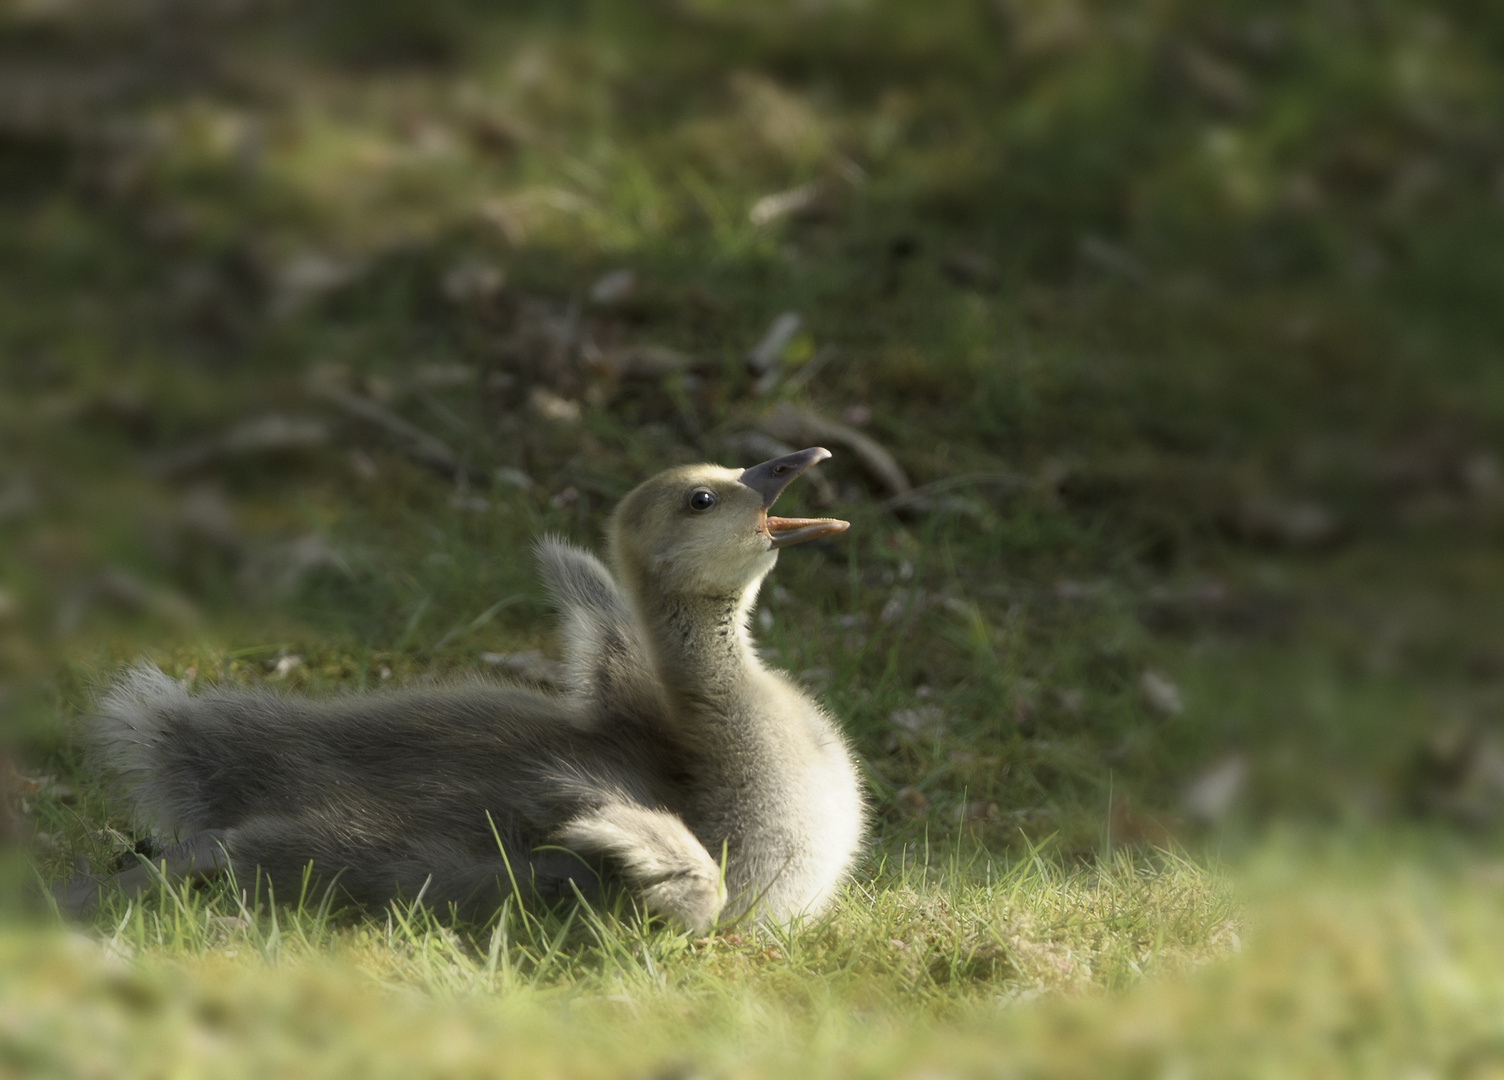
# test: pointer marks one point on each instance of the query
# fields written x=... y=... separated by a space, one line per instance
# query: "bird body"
x=674 y=763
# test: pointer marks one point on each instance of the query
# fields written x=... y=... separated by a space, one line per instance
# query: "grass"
x=933 y=938
x=1342 y=960
x=1182 y=317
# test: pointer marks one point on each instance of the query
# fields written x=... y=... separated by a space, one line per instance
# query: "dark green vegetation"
x=1184 y=318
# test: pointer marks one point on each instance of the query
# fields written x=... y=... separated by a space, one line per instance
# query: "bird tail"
x=187 y=762
x=132 y=727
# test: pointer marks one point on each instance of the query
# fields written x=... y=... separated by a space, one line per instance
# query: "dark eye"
x=702 y=500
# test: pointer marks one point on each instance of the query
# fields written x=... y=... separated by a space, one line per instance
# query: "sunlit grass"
x=1350 y=957
x=915 y=931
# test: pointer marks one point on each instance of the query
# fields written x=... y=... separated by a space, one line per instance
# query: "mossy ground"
x=1183 y=318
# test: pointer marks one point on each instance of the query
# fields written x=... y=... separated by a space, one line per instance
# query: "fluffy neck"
x=700 y=645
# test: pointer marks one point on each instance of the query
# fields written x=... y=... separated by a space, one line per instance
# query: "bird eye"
x=702 y=500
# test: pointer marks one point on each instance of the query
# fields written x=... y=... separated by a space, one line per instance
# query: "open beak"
x=770 y=478
x=787 y=531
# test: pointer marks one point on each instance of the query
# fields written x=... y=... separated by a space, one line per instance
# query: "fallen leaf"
x=799 y=201
x=1161 y=693
x=764 y=356
x=547 y=405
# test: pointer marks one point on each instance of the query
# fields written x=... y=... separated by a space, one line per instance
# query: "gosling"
x=674 y=764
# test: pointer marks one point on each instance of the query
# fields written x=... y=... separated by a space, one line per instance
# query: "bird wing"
x=607 y=665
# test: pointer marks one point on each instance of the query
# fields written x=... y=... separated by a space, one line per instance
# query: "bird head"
x=706 y=530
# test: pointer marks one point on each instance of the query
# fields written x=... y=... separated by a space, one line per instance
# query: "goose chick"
x=673 y=750
x=772 y=787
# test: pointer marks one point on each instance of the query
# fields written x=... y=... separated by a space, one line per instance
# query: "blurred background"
x=1158 y=345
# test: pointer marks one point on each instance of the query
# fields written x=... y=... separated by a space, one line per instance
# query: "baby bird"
x=674 y=764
